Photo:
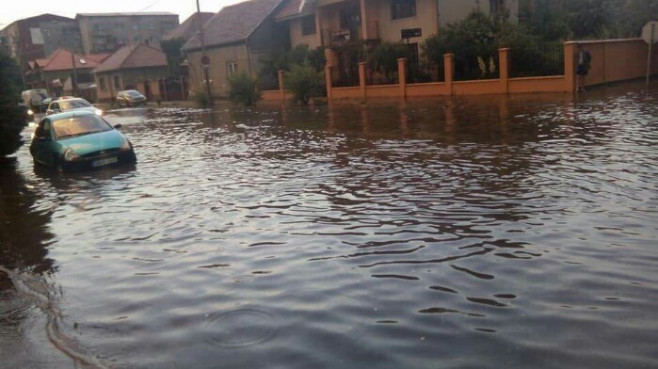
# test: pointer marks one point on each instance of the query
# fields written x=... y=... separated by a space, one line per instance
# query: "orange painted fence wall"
x=617 y=60
x=612 y=61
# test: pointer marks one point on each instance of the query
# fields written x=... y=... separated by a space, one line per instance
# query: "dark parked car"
x=79 y=139
x=130 y=98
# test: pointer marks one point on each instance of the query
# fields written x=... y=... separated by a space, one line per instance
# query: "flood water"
x=480 y=232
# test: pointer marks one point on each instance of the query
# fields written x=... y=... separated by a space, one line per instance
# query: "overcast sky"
x=12 y=10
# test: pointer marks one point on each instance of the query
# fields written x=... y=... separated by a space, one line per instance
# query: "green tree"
x=304 y=82
x=171 y=48
x=273 y=61
x=384 y=59
x=12 y=119
x=242 y=89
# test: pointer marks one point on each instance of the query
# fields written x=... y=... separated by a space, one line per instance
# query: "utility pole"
x=205 y=60
x=74 y=78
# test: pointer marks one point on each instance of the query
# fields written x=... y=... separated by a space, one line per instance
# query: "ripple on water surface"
x=460 y=233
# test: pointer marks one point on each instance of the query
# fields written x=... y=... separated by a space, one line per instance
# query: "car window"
x=54 y=106
x=74 y=104
x=78 y=126
x=43 y=129
x=134 y=93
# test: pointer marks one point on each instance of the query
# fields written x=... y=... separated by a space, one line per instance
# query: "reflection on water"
x=465 y=232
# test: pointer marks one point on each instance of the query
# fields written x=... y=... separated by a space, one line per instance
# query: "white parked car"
x=71 y=103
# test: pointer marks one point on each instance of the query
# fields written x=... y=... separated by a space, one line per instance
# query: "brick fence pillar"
x=327 y=79
x=503 y=61
x=282 y=89
x=362 y=79
x=570 y=67
x=449 y=71
x=402 y=76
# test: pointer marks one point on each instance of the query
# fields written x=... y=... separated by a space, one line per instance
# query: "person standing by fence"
x=584 y=60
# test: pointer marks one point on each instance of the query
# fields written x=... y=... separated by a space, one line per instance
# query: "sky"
x=12 y=10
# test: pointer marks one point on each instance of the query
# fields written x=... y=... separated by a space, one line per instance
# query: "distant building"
x=133 y=67
x=37 y=37
x=235 y=38
x=107 y=32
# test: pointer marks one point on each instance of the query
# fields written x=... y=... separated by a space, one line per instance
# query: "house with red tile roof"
x=235 y=38
x=132 y=67
x=64 y=72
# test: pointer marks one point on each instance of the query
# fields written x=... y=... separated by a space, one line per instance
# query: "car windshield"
x=73 y=104
x=134 y=93
x=78 y=126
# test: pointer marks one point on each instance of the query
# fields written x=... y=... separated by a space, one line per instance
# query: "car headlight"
x=98 y=112
x=30 y=112
x=126 y=146
x=70 y=155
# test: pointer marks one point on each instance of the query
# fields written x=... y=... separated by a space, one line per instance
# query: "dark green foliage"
x=475 y=42
x=171 y=48
x=274 y=61
x=587 y=19
x=476 y=36
x=242 y=89
x=200 y=98
x=384 y=59
x=12 y=119
x=304 y=82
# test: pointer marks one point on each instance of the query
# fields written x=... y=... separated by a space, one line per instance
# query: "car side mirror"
x=117 y=126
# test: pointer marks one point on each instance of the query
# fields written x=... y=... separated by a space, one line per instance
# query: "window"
x=495 y=6
x=308 y=25
x=101 y=82
x=231 y=68
x=403 y=9
x=117 y=82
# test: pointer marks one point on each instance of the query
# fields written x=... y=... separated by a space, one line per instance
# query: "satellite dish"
x=650 y=32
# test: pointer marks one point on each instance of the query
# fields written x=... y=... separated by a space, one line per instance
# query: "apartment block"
x=107 y=32
x=38 y=37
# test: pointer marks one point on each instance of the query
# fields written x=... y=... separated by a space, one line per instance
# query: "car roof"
x=68 y=98
x=69 y=114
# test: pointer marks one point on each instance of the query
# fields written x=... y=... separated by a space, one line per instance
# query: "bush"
x=12 y=119
x=384 y=59
x=277 y=60
x=242 y=89
x=304 y=82
x=200 y=98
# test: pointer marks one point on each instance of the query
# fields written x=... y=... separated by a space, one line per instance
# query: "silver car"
x=71 y=103
x=130 y=98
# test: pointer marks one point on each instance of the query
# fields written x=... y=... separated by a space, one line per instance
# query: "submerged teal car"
x=79 y=140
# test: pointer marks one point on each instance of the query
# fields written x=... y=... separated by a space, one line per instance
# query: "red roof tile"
x=61 y=59
x=133 y=56
x=234 y=23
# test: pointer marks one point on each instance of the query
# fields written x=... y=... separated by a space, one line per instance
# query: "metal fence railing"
x=545 y=59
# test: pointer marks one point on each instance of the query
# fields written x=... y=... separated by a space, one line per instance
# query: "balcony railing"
x=343 y=36
x=339 y=37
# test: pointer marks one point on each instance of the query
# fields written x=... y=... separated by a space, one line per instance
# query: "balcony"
x=339 y=37
x=344 y=36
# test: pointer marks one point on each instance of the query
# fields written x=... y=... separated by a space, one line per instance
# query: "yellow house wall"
x=451 y=11
x=296 y=37
x=389 y=29
x=217 y=71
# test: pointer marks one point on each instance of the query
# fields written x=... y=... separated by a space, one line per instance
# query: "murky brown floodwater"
x=467 y=233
